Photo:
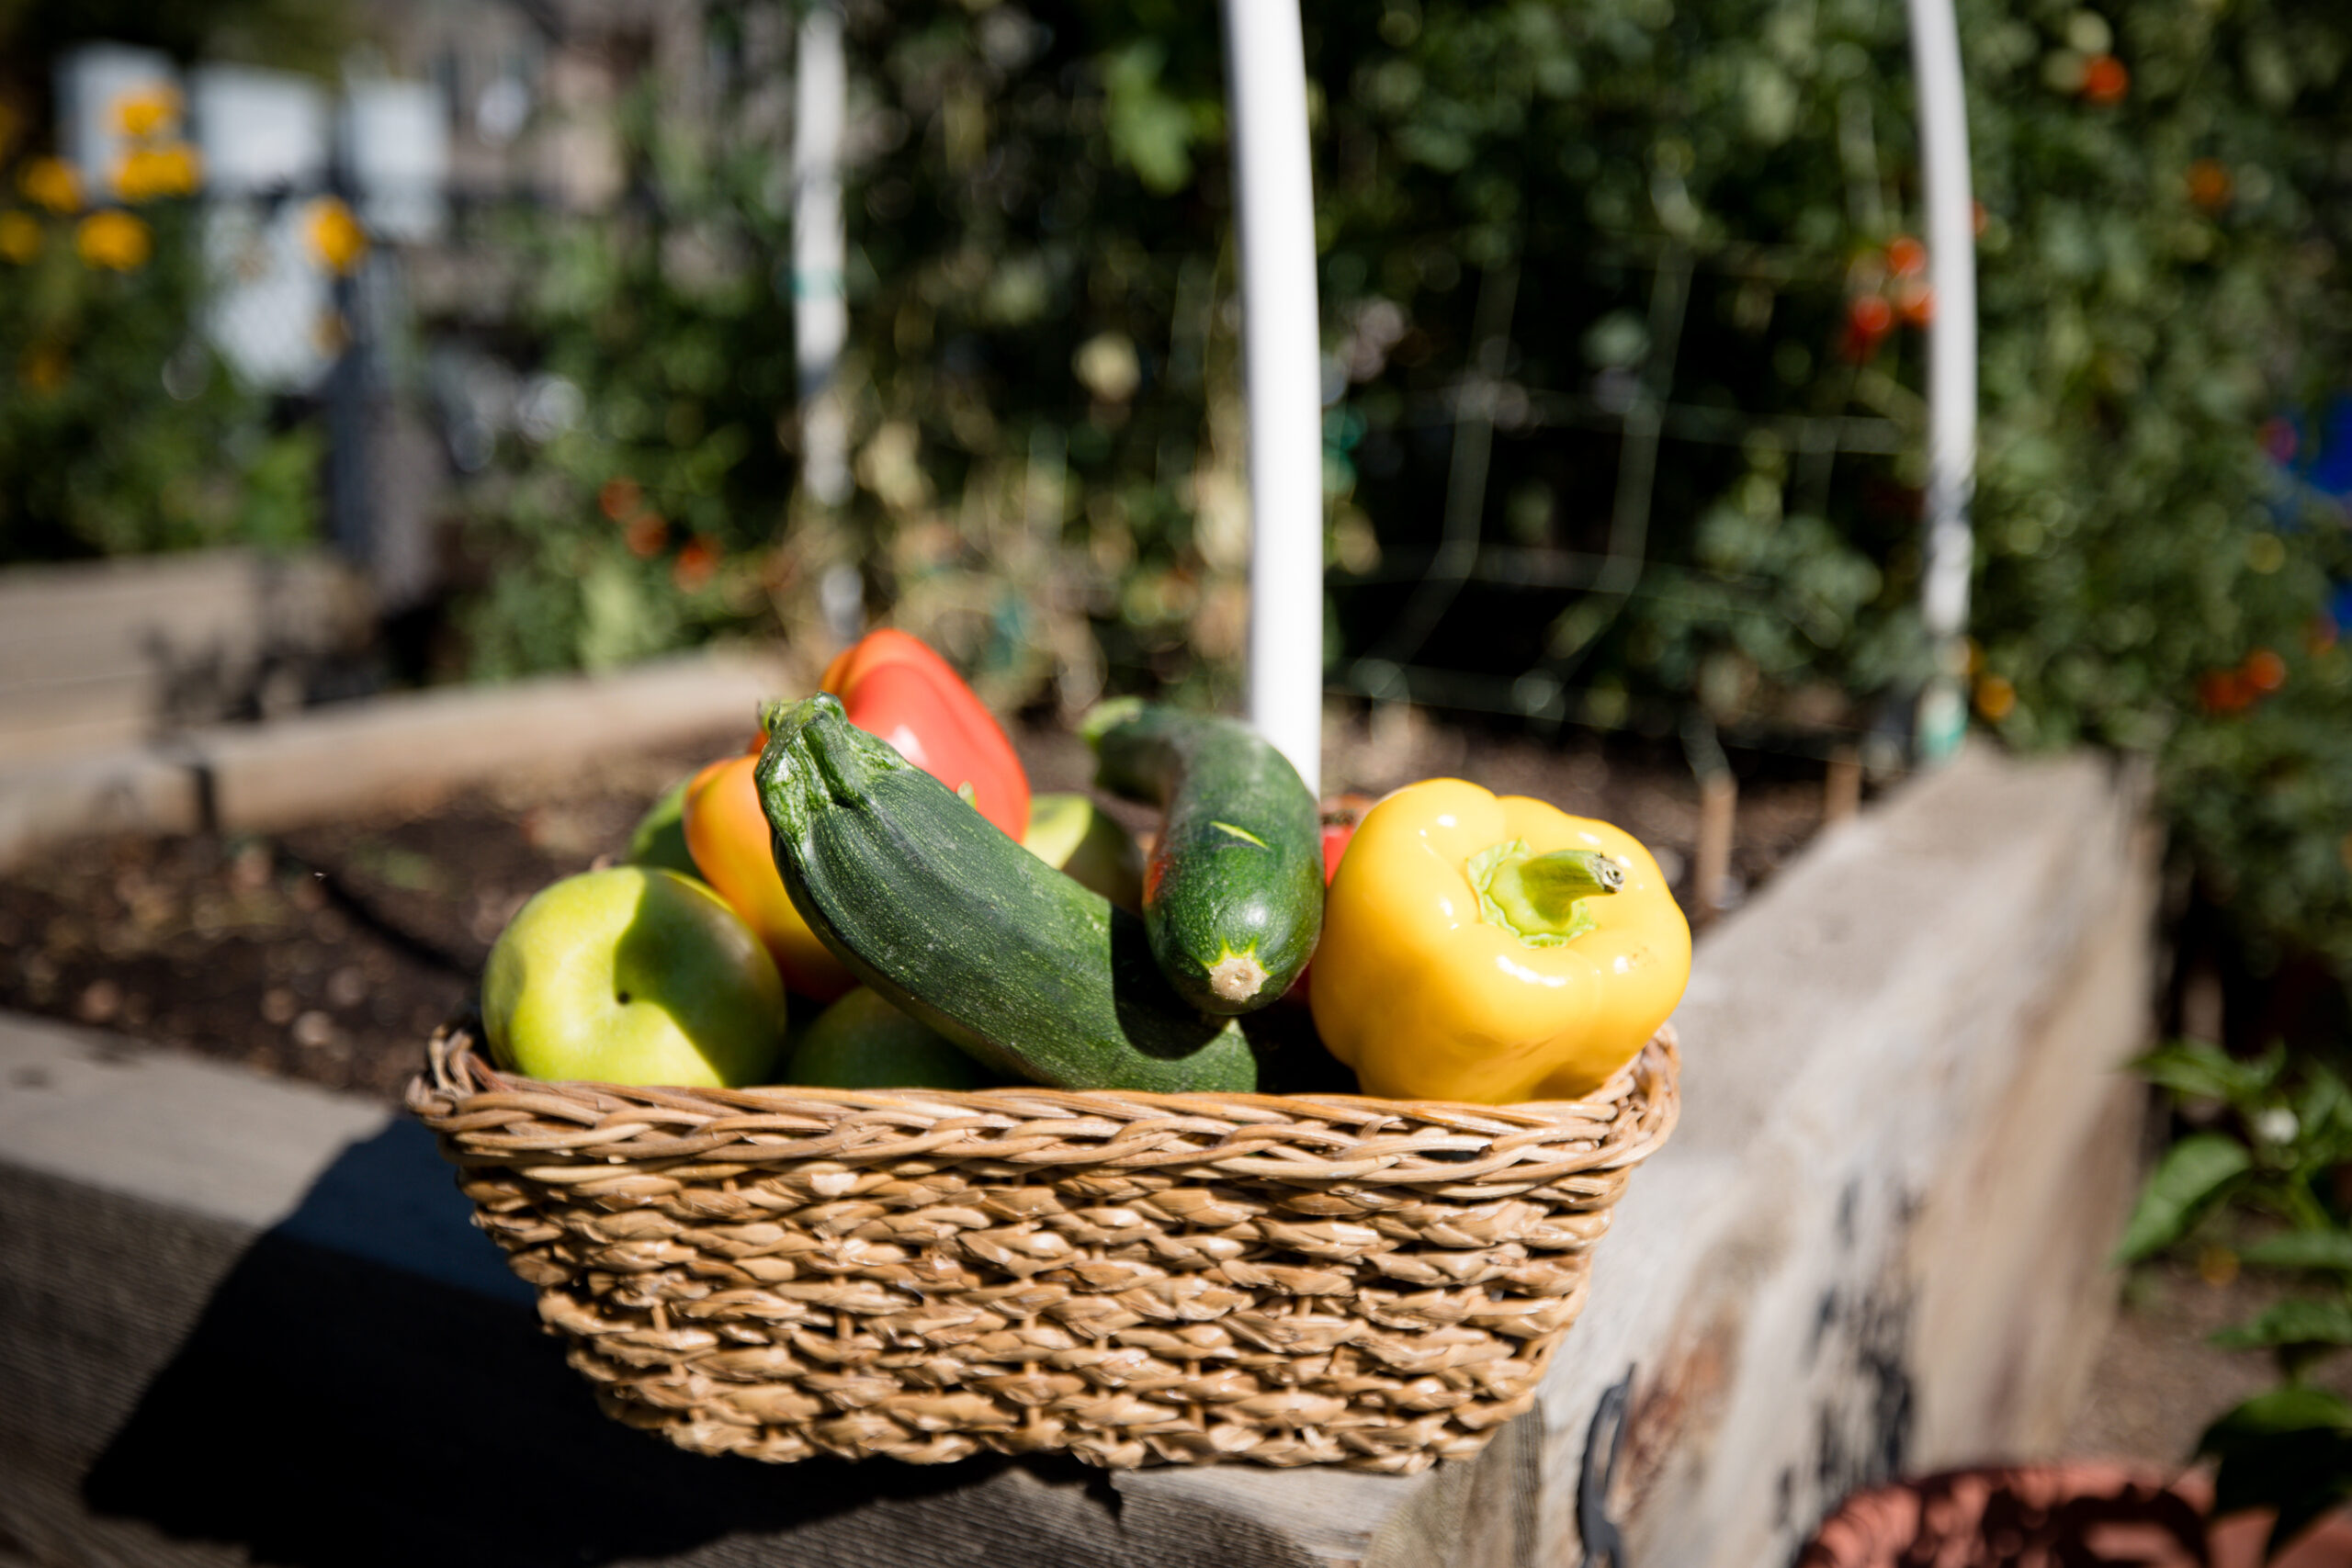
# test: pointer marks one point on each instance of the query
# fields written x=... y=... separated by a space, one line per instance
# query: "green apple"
x=660 y=836
x=633 y=976
x=1072 y=834
x=862 y=1042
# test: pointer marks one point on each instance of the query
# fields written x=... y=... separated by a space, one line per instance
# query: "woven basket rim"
x=491 y=1114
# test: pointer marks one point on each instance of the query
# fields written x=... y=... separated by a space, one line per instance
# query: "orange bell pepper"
x=892 y=685
x=728 y=835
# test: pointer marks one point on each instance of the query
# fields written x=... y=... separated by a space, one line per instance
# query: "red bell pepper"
x=1341 y=815
x=894 y=686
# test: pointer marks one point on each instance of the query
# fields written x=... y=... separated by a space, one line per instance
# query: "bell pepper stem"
x=1541 y=899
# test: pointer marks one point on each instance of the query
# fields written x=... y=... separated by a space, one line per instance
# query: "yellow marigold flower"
x=145 y=114
x=1995 y=697
x=43 y=368
x=19 y=237
x=116 y=239
x=133 y=177
x=146 y=172
x=336 y=238
x=50 y=183
x=182 y=168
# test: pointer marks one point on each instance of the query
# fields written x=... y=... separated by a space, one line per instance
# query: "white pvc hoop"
x=1951 y=544
x=1265 y=59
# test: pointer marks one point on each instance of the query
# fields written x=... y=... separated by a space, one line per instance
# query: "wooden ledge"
x=412 y=746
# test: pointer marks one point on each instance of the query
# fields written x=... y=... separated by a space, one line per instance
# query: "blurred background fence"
x=1621 y=300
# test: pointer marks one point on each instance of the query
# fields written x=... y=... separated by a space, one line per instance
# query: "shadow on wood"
x=331 y=1409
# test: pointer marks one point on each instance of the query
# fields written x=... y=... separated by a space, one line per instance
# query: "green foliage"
x=2329 y=1249
x=2161 y=274
x=640 y=525
x=2285 y=1130
x=120 y=431
x=2300 y=1322
x=1587 y=212
x=2197 y=1071
x=2289 y=1449
x=2195 y=1173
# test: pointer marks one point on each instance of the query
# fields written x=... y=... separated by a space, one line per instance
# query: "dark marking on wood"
x=1603 y=1441
x=1863 y=1425
x=1825 y=1318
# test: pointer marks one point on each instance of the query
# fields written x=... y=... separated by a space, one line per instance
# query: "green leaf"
x=2321 y=1108
x=2194 y=1173
x=2197 y=1071
x=2295 y=1407
x=1151 y=130
x=2289 y=1449
x=2300 y=1321
x=2302 y=1249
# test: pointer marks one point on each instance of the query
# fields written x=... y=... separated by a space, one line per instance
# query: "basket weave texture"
x=1131 y=1279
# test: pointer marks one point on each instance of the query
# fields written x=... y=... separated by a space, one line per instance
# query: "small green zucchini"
x=1233 y=887
x=947 y=917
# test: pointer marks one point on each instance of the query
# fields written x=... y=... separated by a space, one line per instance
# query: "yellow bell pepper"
x=1493 y=950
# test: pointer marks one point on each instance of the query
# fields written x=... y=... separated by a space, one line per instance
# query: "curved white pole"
x=1282 y=362
x=1951 y=373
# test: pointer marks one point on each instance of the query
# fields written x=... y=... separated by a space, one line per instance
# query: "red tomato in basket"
x=1340 y=815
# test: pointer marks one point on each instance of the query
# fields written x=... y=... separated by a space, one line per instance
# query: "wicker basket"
x=1131 y=1279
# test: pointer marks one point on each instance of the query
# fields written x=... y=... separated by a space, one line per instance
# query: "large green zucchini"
x=931 y=905
x=1233 y=888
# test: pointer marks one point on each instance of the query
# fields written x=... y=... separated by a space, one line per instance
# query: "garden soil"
x=329 y=953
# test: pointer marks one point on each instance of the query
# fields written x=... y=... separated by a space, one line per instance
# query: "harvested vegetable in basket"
x=1494 y=949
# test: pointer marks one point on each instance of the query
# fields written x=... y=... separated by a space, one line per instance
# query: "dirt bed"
x=329 y=953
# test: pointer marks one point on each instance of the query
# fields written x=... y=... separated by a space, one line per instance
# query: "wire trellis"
x=1640 y=411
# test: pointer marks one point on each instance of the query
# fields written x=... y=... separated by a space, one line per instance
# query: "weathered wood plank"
x=185 y=600
x=334 y=762
x=102 y=653
x=175 y=1129
x=1903 y=1109
x=133 y=790
x=331 y=761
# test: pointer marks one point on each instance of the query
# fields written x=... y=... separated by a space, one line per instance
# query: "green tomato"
x=862 y=1042
x=633 y=976
x=660 y=836
x=1075 y=836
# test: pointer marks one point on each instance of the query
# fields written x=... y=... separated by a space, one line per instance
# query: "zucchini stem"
x=1237 y=976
